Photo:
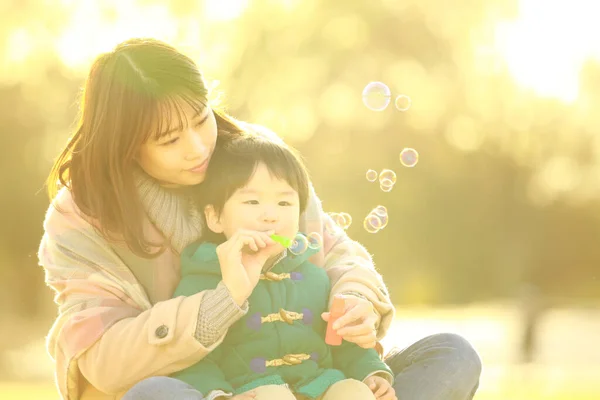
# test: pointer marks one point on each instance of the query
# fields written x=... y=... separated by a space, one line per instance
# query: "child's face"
x=265 y=203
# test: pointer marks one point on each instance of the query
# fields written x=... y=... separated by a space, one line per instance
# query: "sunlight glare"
x=224 y=10
x=88 y=34
x=546 y=46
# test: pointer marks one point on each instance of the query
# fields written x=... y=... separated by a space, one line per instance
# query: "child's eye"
x=285 y=203
x=253 y=202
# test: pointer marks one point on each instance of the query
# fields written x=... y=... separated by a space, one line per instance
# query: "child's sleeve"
x=358 y=363
x=206 y=375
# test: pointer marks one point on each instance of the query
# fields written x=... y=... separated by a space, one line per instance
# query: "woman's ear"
x=212 y=219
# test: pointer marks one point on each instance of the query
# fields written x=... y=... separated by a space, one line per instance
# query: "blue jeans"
x=439 y=367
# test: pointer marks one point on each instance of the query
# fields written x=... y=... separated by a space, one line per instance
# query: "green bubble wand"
x=284 y=241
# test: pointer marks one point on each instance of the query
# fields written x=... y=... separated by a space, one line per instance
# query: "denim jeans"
x=439 y=367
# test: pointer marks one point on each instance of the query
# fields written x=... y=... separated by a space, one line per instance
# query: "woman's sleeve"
x=158 y=341
x=102 y=330
x=349 y=265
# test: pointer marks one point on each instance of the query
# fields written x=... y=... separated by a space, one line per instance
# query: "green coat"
x=239 y=363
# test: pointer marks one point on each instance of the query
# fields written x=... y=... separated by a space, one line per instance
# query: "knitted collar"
x=172 y=211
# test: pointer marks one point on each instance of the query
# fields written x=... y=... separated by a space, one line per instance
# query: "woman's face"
x=181 y=157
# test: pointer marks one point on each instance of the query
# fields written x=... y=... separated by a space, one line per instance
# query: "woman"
x=115 y=228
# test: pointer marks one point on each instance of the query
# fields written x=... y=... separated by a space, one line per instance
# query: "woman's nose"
x=196 y=146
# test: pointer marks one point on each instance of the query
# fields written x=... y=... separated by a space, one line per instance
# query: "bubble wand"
x=284 y=241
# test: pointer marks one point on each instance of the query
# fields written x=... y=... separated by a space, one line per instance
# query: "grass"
x=46 y=391
x=568 y=365
x=28 y=391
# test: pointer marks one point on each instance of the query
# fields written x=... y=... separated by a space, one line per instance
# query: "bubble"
x=376 y=96
x=386 y=188
x=299 y=245
x=387 y=175
x=402 y=102
x=384 y=220
x=347 y=220
x=315 y=241
x=372 y=223
x=332 y=228
x=338 y=219
x=371 y=175
x=380 y=210
x=409 y=157
x=386 y=182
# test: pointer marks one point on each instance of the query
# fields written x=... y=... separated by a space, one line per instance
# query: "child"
x=254 y=188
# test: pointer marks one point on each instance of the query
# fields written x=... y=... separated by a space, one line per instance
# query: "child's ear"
x=212 y=219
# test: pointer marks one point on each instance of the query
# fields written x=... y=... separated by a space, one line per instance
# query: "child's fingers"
x=325 y=316
x=390 y=394
x=381 y=390
x=266 y=237
x=250 y=242
x=371 y=383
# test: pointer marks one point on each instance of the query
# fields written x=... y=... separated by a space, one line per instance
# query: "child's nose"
x=269 y=214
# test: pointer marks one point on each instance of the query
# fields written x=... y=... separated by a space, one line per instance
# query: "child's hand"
x=381 y=388
x=240 y=268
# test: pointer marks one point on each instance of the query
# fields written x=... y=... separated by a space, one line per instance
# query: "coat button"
x=161 y=332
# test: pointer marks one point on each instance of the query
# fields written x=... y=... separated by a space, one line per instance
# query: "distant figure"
x=530 y=297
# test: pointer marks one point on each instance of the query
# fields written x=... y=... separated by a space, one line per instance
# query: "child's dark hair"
x=233 y=163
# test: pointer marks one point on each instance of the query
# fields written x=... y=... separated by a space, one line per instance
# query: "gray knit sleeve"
x=218 y=311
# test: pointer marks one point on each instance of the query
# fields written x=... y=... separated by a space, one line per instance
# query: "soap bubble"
x=332 y=228
x=299 y=245
x=380 y=210
x=342 y=220
x=409 y=157
x=386 y=182
x=315 y=241
x=372 y=223
x=387 y=177
x=384 y=221
x=376 y=220
x=371 y=175
x=386 y=188
x=347 y=220
x=402 y=102
x=376 y=96
x=338 y=219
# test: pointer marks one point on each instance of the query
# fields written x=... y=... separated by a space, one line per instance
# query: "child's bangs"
x=284 y=166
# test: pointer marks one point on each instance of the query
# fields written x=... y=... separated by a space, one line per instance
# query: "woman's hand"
x=357 y=325
x=381 y=388
x=241 y=259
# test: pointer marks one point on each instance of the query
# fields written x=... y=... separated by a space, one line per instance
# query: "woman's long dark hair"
x=125 y=95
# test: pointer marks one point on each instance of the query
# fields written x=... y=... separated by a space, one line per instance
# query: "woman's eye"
x=172 y=141
x=203 y=120
x=285 y=203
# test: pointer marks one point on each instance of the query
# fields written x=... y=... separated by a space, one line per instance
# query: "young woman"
x=122 y=212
